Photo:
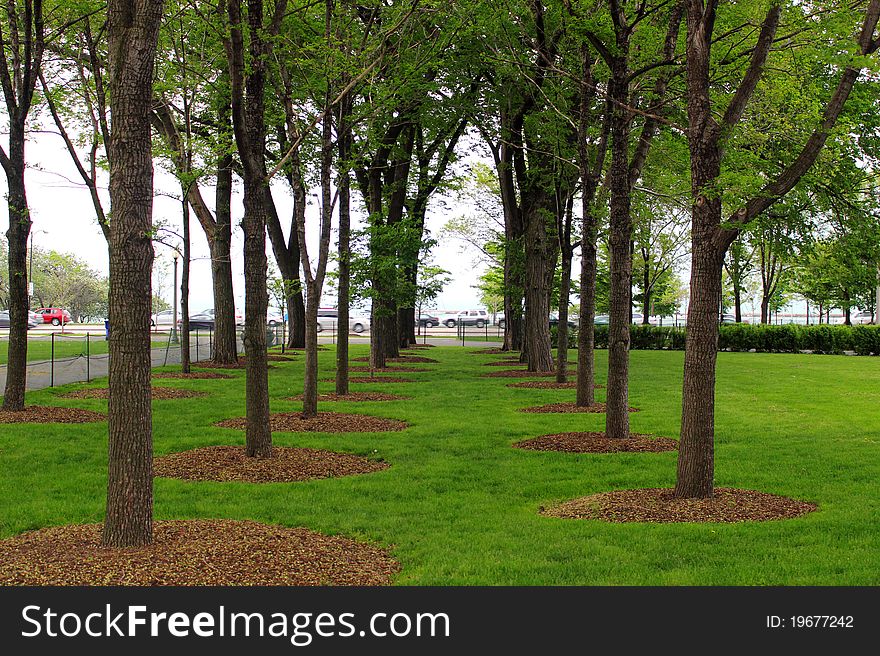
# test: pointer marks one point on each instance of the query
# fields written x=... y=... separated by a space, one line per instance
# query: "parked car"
x=4 y=320
x=328 y=319
x=601 y=320
x=274 y=318
x=428 y=321
x=554 y=321
x=163 y=318
x=860 y=318
x=239 y=317
x=500 y=320
x=202 y=320
x=478 y=318
x=55 y=316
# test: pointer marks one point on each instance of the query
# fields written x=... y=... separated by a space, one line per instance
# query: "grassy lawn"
x=40 y=348
x=459 y=506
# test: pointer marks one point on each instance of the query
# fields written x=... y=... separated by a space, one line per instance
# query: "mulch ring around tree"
x=504 y=362
x=272 y=357
x=412 y=370
x=728 y=505
x=597 y=443
x=46 y=414
x=522 y=373
x=195 y=375
x=416 y=359
x=569 y=407
x=548 y=384
x=373 y=379
x=240 y=364
x=492 y=351
x=158 y=393
x=325 y=422
x=355 y=396
x=287 y=465
x=194 y=552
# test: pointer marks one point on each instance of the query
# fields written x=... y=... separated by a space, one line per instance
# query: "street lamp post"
x=174 y=337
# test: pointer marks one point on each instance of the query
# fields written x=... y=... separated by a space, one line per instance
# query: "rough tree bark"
x=23 y=42
x=184 y=287
x=343 y=130
x=133 y=33
x=566 y=249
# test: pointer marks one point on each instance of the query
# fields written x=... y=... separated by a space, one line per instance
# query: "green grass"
x=66 y=346
x=459 y=506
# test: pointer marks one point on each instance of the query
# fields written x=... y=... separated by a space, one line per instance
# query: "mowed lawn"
x=66 y=346
x=460 y=506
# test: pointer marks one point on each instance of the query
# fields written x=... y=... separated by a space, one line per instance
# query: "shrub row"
x=788 y=338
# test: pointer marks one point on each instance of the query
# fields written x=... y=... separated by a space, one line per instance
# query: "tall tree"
x=133 y=32
x=710 y=237
x=22 y=41
x=247 y=75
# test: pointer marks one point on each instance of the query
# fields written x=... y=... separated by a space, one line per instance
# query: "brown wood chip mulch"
x=416 y=359
x=522 y=373
x=597 y=443
x=503 y=362
x=46 y=414
x=280 y=358
x=355 y=396
x=287 y=465
x=548 y=384
x=210 y=364
x=412 y=370
x=374 y=379
x=325 y=422
x=492 y=351
x=195 y=375
x=728 y=505
x=194 y=552
x=569 y=407
x=158 y=393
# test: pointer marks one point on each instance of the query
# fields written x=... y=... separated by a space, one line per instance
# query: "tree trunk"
x=310 y=380
x=562 y=326
x=620 y=236
x=17 y=236
x=536 y=344
x=646 y=294
x=220 y=245
x=737 y=303
x=296 y=320
x=133 y=34
x=344 y=246
x=696 y=447
x=765 y=307
x=184 y=290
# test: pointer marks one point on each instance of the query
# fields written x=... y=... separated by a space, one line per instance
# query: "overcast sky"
x=64 y=220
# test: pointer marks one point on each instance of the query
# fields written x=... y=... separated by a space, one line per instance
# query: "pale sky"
x=64 y=220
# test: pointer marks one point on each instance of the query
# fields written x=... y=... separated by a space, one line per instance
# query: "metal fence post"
x=52 y=366
x=197 y=344
x=88 y=369
x=283 y=336
x=210 y=342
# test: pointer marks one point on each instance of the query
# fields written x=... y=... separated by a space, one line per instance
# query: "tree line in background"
x=739 y=135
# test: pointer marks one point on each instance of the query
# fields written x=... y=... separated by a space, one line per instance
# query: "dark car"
x=202 y=320
x=4 y=320
x=428 y=321
x=554 y=321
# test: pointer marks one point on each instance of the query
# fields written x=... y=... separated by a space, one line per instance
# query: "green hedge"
x=787 y=338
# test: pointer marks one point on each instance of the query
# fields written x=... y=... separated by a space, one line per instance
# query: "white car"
x=163 y=318
x=478 y=318
x=328 y=319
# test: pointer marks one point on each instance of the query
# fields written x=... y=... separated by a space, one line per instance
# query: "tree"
x=133 y=32
x=247 y=75
x=710 y=236
x=22 y=41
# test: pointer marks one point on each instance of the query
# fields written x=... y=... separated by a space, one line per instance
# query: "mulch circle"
x=325 y=422
x=570 y=407
x=374 y=379
x=522 y=373
x=46 y=414
x=597 y=443
x=195 y=375
x=287 y=465
x=412 y=370
x=241 y=364
x=355 y=396
x=417 y=359
x=504 y=362
x=492 y=351
x=548 y=384
x=158 y=393
x=194 y=552
x=279 y=358
x=657 y=505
